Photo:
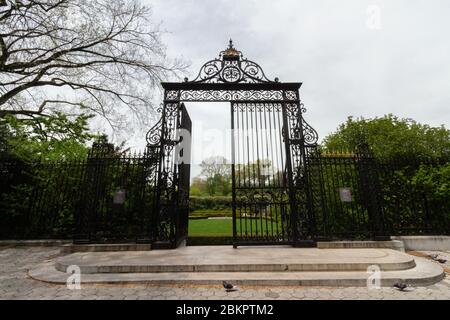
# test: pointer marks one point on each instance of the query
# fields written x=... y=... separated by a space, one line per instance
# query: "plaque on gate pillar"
x=119 y=197
x=345 y=194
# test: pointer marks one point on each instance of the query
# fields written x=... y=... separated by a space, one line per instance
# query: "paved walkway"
x=15 y=284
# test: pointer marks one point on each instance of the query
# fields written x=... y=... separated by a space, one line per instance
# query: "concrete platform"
x=227 y=259
x=243 y=266
x=425 y=243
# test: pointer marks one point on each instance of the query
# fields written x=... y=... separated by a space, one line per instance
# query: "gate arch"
x=285 y=194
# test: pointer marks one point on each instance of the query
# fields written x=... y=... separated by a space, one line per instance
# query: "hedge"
x=217 y=203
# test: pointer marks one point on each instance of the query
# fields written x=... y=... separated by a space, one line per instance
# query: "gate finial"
x=231 y=52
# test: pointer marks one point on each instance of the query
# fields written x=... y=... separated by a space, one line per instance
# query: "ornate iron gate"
x=260 y=175
x=271 y=198
x=169 y=142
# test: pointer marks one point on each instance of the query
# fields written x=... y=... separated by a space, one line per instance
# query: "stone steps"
x=210 y=265
x=424 y=273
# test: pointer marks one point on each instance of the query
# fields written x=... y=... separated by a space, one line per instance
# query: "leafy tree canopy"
x=390 y=136
x=53 y=137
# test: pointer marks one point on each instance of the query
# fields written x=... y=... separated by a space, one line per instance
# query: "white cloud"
x=346 y=68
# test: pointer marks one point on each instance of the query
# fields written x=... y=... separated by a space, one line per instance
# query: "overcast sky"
x=350 y=62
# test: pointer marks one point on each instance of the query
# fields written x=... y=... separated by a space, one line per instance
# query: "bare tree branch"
x=100 y=55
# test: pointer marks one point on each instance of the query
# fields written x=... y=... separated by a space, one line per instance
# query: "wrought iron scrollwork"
x=300 y=132
x=310 y=135
x=231 y=95
x=153 y=136
x=231 y=67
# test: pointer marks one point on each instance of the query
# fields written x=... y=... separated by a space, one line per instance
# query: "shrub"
x=210 y=203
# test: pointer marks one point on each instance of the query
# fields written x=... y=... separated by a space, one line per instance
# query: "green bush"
x=434 y=180
x=216 y=203
x=205 y=214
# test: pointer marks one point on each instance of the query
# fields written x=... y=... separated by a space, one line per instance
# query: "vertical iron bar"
x=233 y=173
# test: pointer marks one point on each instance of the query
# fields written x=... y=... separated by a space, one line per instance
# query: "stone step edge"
x=67 y=248
x=356 y=244
x=73 y=248
x=294 y=267
x=425 y=273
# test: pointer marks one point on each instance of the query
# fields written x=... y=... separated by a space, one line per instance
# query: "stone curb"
x=34 y=243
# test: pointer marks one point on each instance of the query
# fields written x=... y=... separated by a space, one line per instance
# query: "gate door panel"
x=171 y=199
x=261 y=207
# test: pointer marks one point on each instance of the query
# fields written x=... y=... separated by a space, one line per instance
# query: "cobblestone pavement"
x=15 y=284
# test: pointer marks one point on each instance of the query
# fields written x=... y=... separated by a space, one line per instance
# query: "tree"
x=217 y=171
x=53 y=137
x=71 y=55
x=390 y=136
x=198 y=187
x=258 y=173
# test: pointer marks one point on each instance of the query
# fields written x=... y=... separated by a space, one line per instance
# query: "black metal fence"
x=105 y=198
x=38 y=200
x=109 y=197
x=115 y=197
x=357 y=196
x=415 y=195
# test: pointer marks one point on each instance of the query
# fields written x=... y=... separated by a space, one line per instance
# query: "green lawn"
x=210 y=227
x=224 y=227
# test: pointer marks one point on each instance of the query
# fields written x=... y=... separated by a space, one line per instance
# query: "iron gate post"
x=233 y=177
x=292 y=195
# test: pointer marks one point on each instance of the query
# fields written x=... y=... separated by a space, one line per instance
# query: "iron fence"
x=38 y=199
x=104 y=198
x=357 y=196
x=109 y=197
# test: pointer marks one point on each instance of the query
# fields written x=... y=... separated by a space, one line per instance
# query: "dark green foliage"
x=416 y=196
x=41 y=172
x=39 y=200
x=411 y=195
x=47 y=138
x=217 y=203
x=434 y=180
x=413 y=174
x=390 y=136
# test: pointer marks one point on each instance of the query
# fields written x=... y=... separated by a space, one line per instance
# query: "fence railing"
x=106 y=197
x=109 y=197
x=361 y=197
x=38 y=200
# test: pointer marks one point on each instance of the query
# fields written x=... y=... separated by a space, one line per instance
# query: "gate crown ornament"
x=231 y=53
x=231 y=67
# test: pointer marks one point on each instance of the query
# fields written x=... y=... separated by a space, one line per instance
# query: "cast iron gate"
x=284 y=191
x=271 y=198
x=261 y=208
x=169 y=142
